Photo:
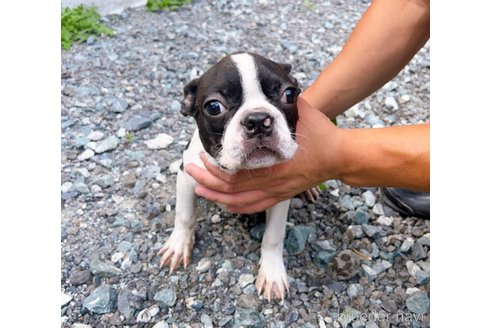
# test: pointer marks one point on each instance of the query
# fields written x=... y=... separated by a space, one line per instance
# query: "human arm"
x=385 y=39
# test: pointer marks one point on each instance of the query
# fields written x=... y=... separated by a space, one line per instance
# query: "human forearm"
x=383 y=42
x=395 y=156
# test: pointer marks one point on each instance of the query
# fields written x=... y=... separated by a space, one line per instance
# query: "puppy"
x=246 y=113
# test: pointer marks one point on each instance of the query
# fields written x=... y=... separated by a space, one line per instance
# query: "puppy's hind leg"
x=178 y=247
x=272 y=276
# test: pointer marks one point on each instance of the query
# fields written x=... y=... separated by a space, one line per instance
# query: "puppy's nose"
x=258 y=124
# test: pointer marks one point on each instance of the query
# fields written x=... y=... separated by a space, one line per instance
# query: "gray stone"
x=86 y=154
x=206 y=321
x=422 y=277
x=378 y=209
x=104 y=181
x=289 y=46
x=103 y=269
x=248 y=301
x=361 y=217
x=347 y=203
x=137 y=122
x=386 y=220
x=424 y=240
x=107 y=144
x=382 y=266
x=175 y=106
x=161 y=141
x=80 y=325
x=372 y=231
x=246 y=279
x=95 y=135
x=371 y=324
x=418 y=252
x=325 y=245
x=119 y=105
x=66 y=186
x=407 y=244
x=257 y=231
x=348 y=315
x=322 y=258
x=101 y=300
x=81 y=187
x=370 y=272
x=369 y=198
x=65 y=299
x=356 y=231
x=161 y=324
x=355 y=290
x=296 y=203
x=204 y=265
x=248 y=318
x=81 y=141
x=151 y=171
x=345 y=265
x=165 y=298
x=391 y=103
x=146 y=314
x=418 y=302
x=297 y=237
x=80 y=277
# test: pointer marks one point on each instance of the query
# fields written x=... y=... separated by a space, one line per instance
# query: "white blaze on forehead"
x=245 y=64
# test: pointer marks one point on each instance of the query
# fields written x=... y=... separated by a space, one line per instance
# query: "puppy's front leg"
x=178 y=247
x=272 y=277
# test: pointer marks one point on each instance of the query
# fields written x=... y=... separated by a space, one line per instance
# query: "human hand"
x=250 y=191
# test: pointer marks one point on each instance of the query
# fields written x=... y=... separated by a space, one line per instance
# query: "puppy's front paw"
x=311 y=195
x=177 y=249
x=272 y=277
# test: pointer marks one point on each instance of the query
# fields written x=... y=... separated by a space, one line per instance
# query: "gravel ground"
x=352 y=262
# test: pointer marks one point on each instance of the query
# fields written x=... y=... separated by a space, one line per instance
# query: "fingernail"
x=199 y=191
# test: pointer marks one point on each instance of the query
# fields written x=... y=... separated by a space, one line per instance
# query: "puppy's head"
x=245 y=109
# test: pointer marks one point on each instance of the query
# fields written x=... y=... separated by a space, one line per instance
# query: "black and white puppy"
x=246 y=113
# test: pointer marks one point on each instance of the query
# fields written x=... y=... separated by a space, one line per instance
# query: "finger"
x=205 y=178
x=250 y=178
x=241 y=198
x=253 y=208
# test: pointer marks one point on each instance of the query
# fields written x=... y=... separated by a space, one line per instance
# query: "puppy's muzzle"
x=258 y=125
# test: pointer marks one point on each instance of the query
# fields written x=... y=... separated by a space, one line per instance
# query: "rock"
x=85 y=155
x=418 y=303
x=80 y=277
x=422 y=277
x=369 y=198
x=206 y=321
x=65 y=299
x=103 y=269
x=248 y=301
x=95 y=135
x=361 y=217
x=348 y=315
x=248 y=318
x=345 y=265
x=378 y=209
x=257 y=231
x=370 y=272
x=382 y=266
x=371 y=324
x=418 y=252
x=407 y=244
x=174 y=167
x=355 y=290
x=161 y=141
x=289 y=46
x=325 y=245
x=104 y=181
x=165 y=298
x=372 y=231
x=81 y=188
x=390 y=103
x=146 y=314
x=356 y=231
x=296 y=203
x=101 y=300
x=175 y=106
x=119 y=105
x=161 y=324
x=107 y=144
x=246 y=279
x=424 y=240
x=297 y=237
x=386 y=220
x=347 y=203
x=66 y=186
x=137 y=122
x=204 y=265
x=80 y=325
x=322 y=258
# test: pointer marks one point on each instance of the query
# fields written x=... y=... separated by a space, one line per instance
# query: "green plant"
x=129 y=136
x=155 y=5
x=80 y=22
x=309 y=5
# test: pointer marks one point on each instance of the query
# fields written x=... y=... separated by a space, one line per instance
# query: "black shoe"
x=407 y=202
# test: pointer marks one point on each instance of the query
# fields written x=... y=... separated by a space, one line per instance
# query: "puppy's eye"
x=289 y=96
x=214 y=108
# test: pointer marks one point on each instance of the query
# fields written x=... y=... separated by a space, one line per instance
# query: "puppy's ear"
x=189 y=97
x=287 y=67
